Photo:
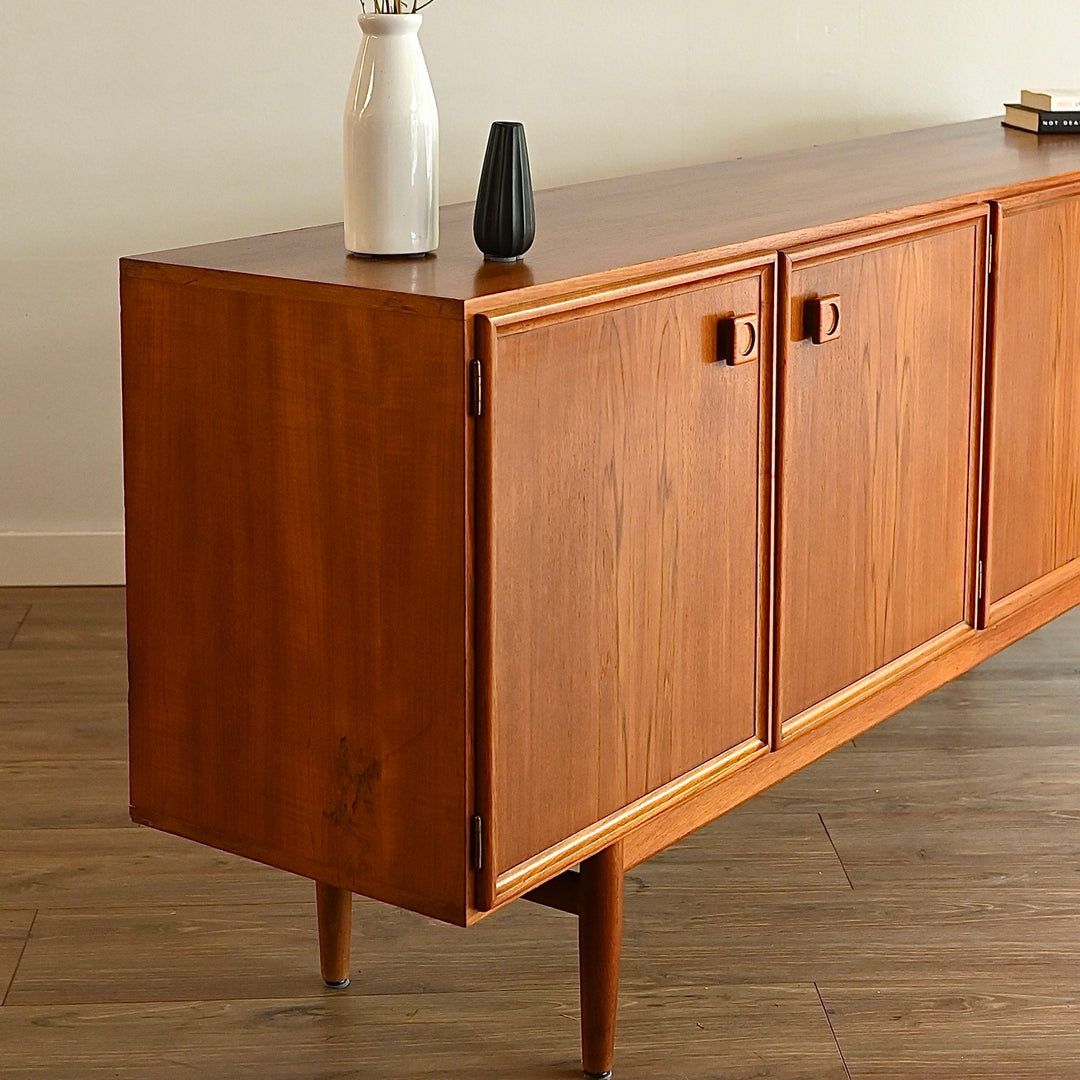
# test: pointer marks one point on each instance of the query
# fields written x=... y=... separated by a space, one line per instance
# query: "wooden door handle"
x=739 y=339
x=823 y=317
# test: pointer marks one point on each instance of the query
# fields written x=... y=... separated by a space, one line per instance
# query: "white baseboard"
x=62 y=558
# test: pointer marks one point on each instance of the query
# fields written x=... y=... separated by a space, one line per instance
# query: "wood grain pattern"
x=62 y=794
x=529 y=1035
x=1011 y=842
x=1034 y=421
x=905 y=932
x=55 y=732
x=975 y=1029
x=621 y=558
x=101 y=866
x=875 y=529
x=95 y=621
x=298 y=691
x=34 y=677
x=593 y=232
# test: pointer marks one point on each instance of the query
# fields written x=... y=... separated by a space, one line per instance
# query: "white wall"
x=135 y=125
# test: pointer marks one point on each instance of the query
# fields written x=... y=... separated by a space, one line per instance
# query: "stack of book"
x=1046 y=112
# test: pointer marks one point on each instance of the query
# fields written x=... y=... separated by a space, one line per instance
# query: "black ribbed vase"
x=504 y=222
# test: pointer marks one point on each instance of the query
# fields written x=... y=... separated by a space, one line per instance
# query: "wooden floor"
x=908 y=908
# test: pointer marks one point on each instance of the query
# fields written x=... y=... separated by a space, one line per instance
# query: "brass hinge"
x=477 y=842
x=979 y=581
x=989 y=253
x=476 y=388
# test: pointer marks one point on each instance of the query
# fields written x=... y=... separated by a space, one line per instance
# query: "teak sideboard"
x=445 y=577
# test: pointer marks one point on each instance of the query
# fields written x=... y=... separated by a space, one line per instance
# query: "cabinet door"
x=876 y=467
x=1033 y=524
x=621 y=544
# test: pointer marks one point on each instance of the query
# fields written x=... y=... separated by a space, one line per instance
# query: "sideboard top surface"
x=586 y=231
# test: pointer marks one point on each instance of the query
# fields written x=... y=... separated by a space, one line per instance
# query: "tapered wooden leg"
x=600 y=912
x=335 y=933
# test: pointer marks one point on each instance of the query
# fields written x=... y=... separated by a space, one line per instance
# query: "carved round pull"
x=747 y=343
x=824 y=317
x=739 y=338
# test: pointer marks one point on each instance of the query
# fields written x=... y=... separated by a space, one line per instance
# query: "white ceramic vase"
x=391 y=143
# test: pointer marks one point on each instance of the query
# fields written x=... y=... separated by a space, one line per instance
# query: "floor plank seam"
x=18 y=627
x=828 y=1020
x=22 y=953
x=835 y=852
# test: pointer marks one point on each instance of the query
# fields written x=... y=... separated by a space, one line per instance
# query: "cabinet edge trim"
x=1026 y=595
x=523 y=316
x=878 y=680
x=581 y=845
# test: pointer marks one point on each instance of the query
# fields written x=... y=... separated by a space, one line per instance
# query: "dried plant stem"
x=395 y=7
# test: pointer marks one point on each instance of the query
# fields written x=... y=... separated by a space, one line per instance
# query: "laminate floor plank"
x=895 y=781
x=751 y=848
x=62 y=676
x=980 y=714
x=70 y=598
x=61 y=794
x=163 y=954
x=99 y=624
x=102 y=868
x=1033 y=848
x=993 y=1029
x=681 y=1033
x=161 y=907
x=866 y=936
x=241 y=951
x=63 y=732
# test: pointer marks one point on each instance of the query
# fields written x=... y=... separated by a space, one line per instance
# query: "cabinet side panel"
x=1035 y=422
x=295 y=489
